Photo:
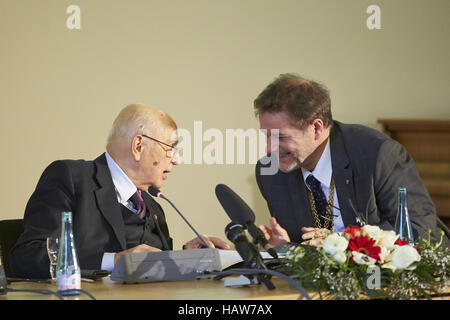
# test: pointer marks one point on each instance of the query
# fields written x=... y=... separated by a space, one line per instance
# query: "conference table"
x=202 y=289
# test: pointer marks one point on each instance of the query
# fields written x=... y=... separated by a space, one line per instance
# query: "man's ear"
x=137 y=147
x=318 y=128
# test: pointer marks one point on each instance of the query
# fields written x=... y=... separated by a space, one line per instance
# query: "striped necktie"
x=320 y=201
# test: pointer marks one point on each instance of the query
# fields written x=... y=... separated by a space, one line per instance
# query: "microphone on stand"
x=241 y=216
x=248 y=251
x=240 y=212
x=157 y=193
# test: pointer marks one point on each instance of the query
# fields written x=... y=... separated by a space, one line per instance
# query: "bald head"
x=133 y=120
x=139 y=119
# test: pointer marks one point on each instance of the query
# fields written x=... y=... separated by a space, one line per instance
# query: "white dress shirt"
x=123 y=185
x=124 y=190
x=323 y=172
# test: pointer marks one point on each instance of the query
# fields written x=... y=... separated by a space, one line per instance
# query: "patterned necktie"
x=138 y=203
x=320 y=201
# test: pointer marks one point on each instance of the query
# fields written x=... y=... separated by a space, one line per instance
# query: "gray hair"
x=139 y=119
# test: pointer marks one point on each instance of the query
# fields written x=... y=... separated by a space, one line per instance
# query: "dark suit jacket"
x=86 y=189
x=368 y=168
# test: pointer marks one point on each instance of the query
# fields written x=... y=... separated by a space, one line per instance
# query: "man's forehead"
x=277 y=121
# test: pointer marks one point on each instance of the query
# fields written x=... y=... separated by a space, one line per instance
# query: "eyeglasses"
x=174 y=151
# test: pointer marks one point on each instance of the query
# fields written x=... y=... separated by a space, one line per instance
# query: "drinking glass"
x=52 y=251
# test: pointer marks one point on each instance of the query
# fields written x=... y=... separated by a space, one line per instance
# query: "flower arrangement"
x=367 y=261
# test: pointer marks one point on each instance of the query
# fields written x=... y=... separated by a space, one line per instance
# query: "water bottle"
x=3 y=282
x=402 y=222
x=68 y=274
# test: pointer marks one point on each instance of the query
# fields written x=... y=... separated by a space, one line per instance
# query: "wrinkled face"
x=158 y=159
x=293 y=145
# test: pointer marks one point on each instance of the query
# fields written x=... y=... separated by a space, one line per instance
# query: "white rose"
x=340 y=257
x=334 y=243
x=361 y=258
x=402 y=258
x=385 y=254
x=388 y=239
x=374 y=232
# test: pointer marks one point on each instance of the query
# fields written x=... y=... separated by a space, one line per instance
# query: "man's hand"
x=139 y=248
x=314 y=236
x=213 y=242
x=276 y=235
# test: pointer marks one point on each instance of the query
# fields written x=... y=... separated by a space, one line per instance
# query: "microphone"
x=240 y=212
x=156 y=193
x=248 y=251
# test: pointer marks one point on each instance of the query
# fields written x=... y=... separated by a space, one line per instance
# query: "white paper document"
x=231 y=257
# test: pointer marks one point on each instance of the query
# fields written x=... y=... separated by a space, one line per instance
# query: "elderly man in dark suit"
x=112 y=213
x=330 y=171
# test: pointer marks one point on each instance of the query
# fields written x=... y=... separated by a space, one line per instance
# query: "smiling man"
x=328 y=170
x=112 y=212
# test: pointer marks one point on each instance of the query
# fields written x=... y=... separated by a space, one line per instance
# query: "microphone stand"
x=282 y=276
x=254 y=268
x=250 y=255
x=255 y=262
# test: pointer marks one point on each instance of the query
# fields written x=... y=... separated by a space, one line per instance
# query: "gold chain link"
x=328 y=224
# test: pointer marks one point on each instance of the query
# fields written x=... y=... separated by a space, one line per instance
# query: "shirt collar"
x=323 y=169
x=123 y=185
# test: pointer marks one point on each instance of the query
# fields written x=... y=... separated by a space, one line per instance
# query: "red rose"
x=353 y=231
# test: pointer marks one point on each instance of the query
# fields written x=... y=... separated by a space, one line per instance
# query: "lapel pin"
x=347 y=181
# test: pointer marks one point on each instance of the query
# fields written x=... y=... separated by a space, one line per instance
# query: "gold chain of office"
x=328 y=219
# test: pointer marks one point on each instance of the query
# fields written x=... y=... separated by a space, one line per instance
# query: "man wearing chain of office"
x=330 y=174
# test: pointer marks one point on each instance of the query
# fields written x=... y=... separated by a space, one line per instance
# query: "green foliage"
x=315 y=270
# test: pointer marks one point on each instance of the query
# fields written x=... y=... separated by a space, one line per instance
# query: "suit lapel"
x=297 y=191
x=155 y=216
x=343 y=176
x=107 y=200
